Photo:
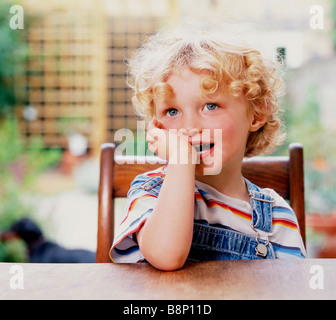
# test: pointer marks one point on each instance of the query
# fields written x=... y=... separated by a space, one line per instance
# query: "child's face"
x=189 y=108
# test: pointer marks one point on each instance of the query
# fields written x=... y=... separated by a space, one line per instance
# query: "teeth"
x=201 y=148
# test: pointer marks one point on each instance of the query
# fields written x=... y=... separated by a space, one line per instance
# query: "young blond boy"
x=209 y=103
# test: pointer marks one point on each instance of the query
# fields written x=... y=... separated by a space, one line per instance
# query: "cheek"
x=170 y=122
x=233 y=136
x=161 y=118
x=167 y=124
x=228 y=128
x=235 y=126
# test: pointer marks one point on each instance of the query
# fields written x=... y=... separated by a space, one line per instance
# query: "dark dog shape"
x=41 y=250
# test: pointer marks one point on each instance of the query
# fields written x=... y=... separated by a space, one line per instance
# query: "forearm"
x=165 y=238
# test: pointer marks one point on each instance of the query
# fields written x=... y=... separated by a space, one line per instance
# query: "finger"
x=159 y=125
x=182 y=132
x=152 y=148
x=155 y=132
x=150 y=138
x=152 y=124
x=193 y=132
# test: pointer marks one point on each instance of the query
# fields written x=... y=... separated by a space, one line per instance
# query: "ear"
x=257 y=122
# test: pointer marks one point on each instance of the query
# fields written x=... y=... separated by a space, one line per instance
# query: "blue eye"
x=172 y=112
x=211 y=106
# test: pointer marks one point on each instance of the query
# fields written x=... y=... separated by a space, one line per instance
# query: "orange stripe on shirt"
x=134 y=203
x=212 y=203
x=285 y=223
x=247 y=216
x=157 y=174
x=160 y=173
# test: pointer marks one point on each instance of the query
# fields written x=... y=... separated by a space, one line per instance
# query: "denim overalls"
x=220 y=243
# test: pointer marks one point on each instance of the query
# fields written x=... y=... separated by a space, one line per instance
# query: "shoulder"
x=283 y=214
x=286 y=239
x=282 y=211
x=278 y=200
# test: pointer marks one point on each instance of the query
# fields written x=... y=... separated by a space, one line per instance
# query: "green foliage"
x=13 y=53
x=13 y=251
x=20 y=166
x=304 y=125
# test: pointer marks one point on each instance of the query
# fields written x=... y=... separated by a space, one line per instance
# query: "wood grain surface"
x=267 y=279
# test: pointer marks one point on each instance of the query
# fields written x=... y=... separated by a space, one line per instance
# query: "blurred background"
x=63 y=93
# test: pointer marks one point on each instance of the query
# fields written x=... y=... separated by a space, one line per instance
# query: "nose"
x=192 y=125
x=190 y=132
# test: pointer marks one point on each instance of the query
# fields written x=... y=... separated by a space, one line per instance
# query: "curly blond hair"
x=240 y=68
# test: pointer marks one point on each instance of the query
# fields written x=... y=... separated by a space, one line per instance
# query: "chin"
x=208 y=169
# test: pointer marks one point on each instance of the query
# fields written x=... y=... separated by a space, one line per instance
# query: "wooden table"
x=267 y=279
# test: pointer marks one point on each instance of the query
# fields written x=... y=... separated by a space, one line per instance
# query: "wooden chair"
x=283 y=174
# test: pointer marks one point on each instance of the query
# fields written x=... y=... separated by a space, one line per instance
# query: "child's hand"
x=171 y=145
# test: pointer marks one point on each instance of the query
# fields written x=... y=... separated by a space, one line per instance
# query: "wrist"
x=186 y=156
x=181 y=169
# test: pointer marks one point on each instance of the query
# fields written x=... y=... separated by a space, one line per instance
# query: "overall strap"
x=261 y=204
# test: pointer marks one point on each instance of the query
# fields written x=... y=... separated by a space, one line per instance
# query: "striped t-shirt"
x=211 y=207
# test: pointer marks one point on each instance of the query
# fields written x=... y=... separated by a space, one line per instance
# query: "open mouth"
x=203 y=148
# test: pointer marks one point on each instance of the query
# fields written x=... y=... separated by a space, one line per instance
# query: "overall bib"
x=220 y=243
x=223 y=243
